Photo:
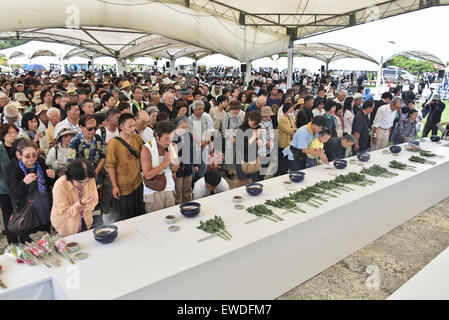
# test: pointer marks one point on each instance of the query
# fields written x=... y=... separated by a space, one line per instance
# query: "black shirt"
x=171 y=114
x=10 y=152
x=334 y=149
x=362 y=125
x=249 y=153
x=304 y=117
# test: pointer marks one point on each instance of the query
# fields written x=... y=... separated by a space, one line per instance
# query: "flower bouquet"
x=263 y=212
x=61 y=245
x=47 y=245
x=36 y=251
x=215 y=226
x=2 y=285
x=21 y=256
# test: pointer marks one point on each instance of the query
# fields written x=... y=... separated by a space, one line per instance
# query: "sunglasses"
x=30 y=155
x=90 y=129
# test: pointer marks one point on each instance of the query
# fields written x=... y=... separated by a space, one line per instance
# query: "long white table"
x=431 y=283
x=264 y=259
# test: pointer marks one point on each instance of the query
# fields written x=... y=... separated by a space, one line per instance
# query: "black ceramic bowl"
x=105 y=234
x=190 y=209
x=340 y=164
x=254 y=189
x=296 y=176
x=395 y=149
x=364 y=157
x=435 y=138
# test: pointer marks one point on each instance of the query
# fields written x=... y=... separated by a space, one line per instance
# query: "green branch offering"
x=284 y=203
x=378 y=171
x=215 y=226
x=262 y=211
x=425 y=153
x=417 y=159
x=354 y=178
x=401 y=166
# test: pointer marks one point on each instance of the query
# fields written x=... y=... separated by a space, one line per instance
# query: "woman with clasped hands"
x=74 y=197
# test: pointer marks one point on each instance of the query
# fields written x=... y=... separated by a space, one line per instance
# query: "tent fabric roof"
x=239 y=29
x=329 y=52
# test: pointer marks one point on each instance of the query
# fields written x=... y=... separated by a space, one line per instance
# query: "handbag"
x=251 y=167
x=22 y=221
x=158 y=183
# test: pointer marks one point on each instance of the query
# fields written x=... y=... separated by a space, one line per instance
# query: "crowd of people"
x=92 y=149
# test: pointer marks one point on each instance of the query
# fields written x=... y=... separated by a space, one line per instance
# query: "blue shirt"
x=93 y=151
x=301 y=140
x=252 y=107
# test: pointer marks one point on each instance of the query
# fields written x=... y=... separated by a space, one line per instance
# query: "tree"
x=413 y=66
x=5 y=44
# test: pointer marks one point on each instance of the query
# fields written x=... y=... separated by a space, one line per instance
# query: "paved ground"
x=397 y=256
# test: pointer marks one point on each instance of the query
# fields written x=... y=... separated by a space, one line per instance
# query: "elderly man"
x=201 y=125
x=358 y=100
x=341 y=96
x=168 y=105
x=305 y=115
x=73 y=115
x=88 y=106
x=339 y=147
x=142 y=122
x=3 y=101
x=12 y=115
x=54 y=117
x=383 y=123
x=261 y=101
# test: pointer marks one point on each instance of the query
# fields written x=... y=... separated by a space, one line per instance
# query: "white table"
x=264 y=259
x=431 y=283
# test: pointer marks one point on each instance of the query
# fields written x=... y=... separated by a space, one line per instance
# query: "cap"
x=125 y=84
x=40 y=108
x=436 y=96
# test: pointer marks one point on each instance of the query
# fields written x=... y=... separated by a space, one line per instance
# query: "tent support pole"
x=119 y=66
x=172 y=66
x=379 y=75
x=291 y=48
x=248 y=72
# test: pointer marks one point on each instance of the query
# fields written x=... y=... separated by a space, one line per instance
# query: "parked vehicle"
x=394 y=74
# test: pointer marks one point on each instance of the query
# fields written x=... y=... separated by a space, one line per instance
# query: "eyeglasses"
x=30 y=155
x=90 y=129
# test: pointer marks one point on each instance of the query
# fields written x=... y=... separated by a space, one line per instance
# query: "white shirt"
x=147 y=134
x=109 y=135
x=384 y=117
x=65 y=122
x=317 y=112
x=200 y=190
x=348 y=117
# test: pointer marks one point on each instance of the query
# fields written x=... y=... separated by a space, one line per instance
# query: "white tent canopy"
x=353 y=65
x=219 y=60
x=239 y=29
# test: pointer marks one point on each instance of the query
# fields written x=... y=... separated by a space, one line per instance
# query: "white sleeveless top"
x=167 y=171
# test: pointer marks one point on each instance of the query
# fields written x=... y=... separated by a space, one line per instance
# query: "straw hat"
x=37 y=98
x=125 y=84
x=64 y=131
x=20 y=97
x=40 y=108
x=71 y=88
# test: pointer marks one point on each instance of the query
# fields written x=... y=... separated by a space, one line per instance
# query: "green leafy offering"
x=401 y=166
x=215 y=226
x=262 y=211
x=417 y=159
x=284 y=203
x=425 y=153
x=354 y=178
x=378 y=171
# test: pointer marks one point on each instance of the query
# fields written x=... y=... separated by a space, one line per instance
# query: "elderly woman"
x=286 y=131
x=184 y=175
x=28 y=178
x=58 y=156
x=330 y=106
x=74 y=197
x=406 y=128
x=8 y=134
x=168 y=106
x=249 y=140
x=231 y=122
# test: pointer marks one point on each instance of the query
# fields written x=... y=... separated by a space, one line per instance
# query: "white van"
x=393 y=74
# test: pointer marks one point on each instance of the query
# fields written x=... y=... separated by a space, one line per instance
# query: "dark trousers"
x=429 y=127
x=7 y=209
x=282 y=163
x=296 y=165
